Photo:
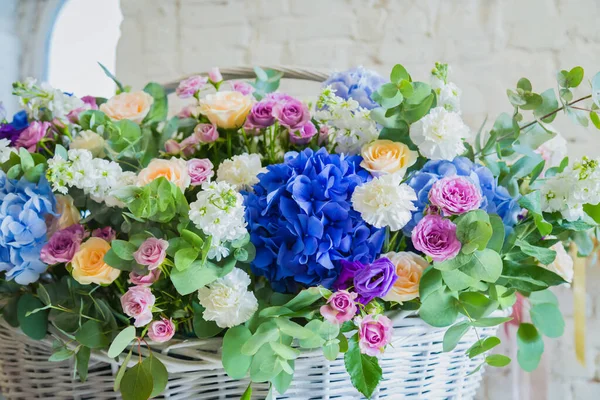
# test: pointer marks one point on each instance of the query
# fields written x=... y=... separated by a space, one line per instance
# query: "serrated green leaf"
x=365 y=372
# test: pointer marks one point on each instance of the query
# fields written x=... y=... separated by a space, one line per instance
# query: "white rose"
x=241 y=171
x=562 y=264
x=439 y=135
x=89 y=140
x=227 y=300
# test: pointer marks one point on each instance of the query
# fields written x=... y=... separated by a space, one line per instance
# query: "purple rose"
x=292 y=113
x=304 y=134
x=375 y=280
x=31 y=136
x=144 y=280
x=151 y=253
x=243 y=87
x=436 y=237
x=63 y=245
x=455 y=195
x=107 y=233
x=207 y=133
x=189 y=86
x=200 y=170
x=261 y=115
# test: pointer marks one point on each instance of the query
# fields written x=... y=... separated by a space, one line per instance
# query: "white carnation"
x=5 y=150
x=219 y=212
x=385 y=202
x=227 y=300
x=439 y=135
x=241 y=171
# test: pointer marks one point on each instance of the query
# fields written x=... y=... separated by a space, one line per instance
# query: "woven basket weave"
x=413 y=367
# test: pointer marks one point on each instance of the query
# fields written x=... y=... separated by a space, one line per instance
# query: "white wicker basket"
x=413 y=367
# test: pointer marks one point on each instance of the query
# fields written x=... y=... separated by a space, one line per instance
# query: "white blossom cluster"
x=569 y=190
x=5 y=150
x=219 y=212
x=448 y=94
x=37 y=98
x=241 y=170
x=348 y=125
x=440 y=134
x=97 y=177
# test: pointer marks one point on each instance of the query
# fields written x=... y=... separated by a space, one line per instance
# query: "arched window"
x=85 y=32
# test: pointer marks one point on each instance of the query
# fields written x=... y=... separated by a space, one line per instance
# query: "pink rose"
x=292 y=113
x=340 y=307
x=63 y=245
x=242 y=87
x=161 y=331
x=172 y=147
x=323 y=135
x=32 y=135
x=200 y=170
x=190 y=86
x=137 y=303
x=207 y=133
x=107 y=233
x=374 y=332
x=188 y=111
x=151 y=253
x=436 y=237
x=304 y=134
x=455 y=195
x=144 y=280
x=89 y=103
x=215 y=75
x=189 y=145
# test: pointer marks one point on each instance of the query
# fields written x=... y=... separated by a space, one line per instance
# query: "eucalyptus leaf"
x=137 y=383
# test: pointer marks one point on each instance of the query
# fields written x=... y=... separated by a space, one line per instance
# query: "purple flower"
x=151 y=253
x=12 y=130
x=200 y=170
x=32 y=135
x=455 y=195
x=107 y=233
x=144 y=280
x=161 y=331
x=63 y=245
x=346 y=277
x=436 y=237
x=243 y=87
x=304 y=134
x=291 y=113
x=261 y=115
x=189 y=86
x=375 y=280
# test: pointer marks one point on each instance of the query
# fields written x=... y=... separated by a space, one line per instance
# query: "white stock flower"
x=227 y=300
x=241 y=170
x=219 y=212
x=5 y=150
x=36 y=98
x=385 y=202
x=439 y=135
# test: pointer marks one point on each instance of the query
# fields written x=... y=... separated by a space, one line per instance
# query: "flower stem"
x=555 y=111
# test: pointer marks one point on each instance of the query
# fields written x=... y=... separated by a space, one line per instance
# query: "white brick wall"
x=490 y=44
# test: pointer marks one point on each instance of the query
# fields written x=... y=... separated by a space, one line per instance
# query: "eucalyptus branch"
x=555 y=111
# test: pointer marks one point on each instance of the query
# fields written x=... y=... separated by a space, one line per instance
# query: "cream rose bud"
x=227 y=109
x=89 y=266
x=174 y=170
x=133 y=106
x=409 y=269
x=68 y=214
x=562 y=264
x=89 y=140
x=387 y=157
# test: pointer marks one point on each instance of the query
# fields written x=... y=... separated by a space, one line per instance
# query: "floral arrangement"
x=282 y=225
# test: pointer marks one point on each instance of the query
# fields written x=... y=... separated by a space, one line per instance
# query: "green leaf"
x=388 y=90
x=14 y=172
x=549 y=104
x=579 y=117
x=543 y=296
x=454 y=334
x=530 y=347
x=121 y=371
x=497 y=360
x=542 y=254
x=112 y=259
x=26 y=159
x=574 y=77
x=284 y=351
x=137 y=383
x=490 y=321
x=532 y=202
x=114 y=78
x=266 y=332
x=439 y=309
x=194 y=277
x=159 y=374
x=524 y=84
x=83 y=361
x=393 y=122
x=457 y=280
x=398 y=74
x=159 y=109
x=185 y=257
x=481 y=346
x=485 y=265
x=476 y=305
x=283 y=380
x=33 y=325
x=192 y=238
x=62 y=354
x=431 y=281
x=596 y=89
x=121 y=341
x=313 y=341
x=265 y=365
x=293 y=329
x=202 y=328
x=595 y=119
x=365 y=372
x=474 y=230
x=91 y=334
x=247 y=395
x=497 y=240
x=548 y=319
x=306 y=298
x=235 y=363
x=123 y=249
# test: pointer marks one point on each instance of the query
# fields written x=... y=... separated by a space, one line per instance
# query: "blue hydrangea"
x=358 y=83
x=23 y=212
x=496 y=199
x=301 y=221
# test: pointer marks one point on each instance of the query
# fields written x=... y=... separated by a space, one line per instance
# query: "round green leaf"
x=33 y=325
x=91 y=334
x=202 y=328
x=123 y=249
x=158 y=371
x=137 y=383
x=235 y=363
x=497 y=360
x=265 y=365
x=530 y=347
x=121 y=341
x=548 y=319
x=454 y=334
x=439 y=309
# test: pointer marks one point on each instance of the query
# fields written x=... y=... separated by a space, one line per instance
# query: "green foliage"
x=530 y=347
x=474 y=230
x=483 y=345
x=114 y=79
x=121 y=341
x=158 y=201
x=158 y=372
x=235 y=363
x=92 y=335
x=202 y=328
x=267 y=81
x=159 y=109
x=365 y=372
x=82 y=360
x=137 y=383
x=454 y=334
x=440 y=308
x=32 y=317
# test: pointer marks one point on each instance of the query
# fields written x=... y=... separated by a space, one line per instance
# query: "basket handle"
x=308 y=74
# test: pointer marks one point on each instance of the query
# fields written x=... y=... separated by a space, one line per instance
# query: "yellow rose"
x=174 y=170
x=409 y=269
x=226 y=109
x=68 y=214
x=89 y=266
x=133 y=106
x=89 y=140
x=562 y=264
x=386 y=157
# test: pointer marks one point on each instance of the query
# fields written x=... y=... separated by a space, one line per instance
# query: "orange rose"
x=68 y=214
x=409 y=269
x=227 y=110
x=174 y=170
x=89 y=266
x=386 y=157
x=133 y=106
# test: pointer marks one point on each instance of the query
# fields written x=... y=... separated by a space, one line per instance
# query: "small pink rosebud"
x=215 y=75
x=207 y=133
x=161 y=331
x=200 y=170
x=190 y=86
x=374 y=332
x=151 y=253
x=107 y=233
x=172 y=147
x=340 y=307
x=144 y=280
x=243 y=87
